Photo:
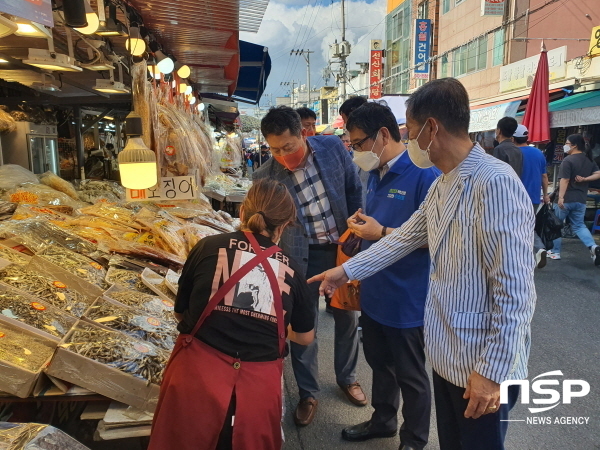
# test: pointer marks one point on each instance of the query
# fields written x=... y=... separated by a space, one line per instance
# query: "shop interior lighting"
x=154 y=72
x=183 y=70
x=164 y=63
x=47 y=83
x=26 y=28
x=201 y=107
x=188 y=90
x=111 y=86
x=7 y=26
x=49 y=60
x=92 y=20
x=110 y=26
x=183 y=88
x=137 y=163
x=192 y=99
x=135 y=44
x=3 y=61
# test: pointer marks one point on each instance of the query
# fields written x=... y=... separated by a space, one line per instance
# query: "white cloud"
x=287 y=26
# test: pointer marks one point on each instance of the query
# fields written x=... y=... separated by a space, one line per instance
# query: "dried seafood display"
x=159 y=332
x=172 y=281
x=37 y=314
x=118 y=350
x=127 y=278
x=24 y=350
x=157 y=283
x=44 y=287
x=36 y=436
x=77 y=264
x=37 y=235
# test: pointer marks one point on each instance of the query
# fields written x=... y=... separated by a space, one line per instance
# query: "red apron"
x=199 y=382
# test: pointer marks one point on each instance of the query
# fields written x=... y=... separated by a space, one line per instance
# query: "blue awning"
x=255 y=67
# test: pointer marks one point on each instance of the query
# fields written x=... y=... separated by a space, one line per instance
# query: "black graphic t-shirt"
x=244 y=323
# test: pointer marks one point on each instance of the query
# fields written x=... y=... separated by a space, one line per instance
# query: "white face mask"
x=367 y=161
x=418 y=156
x=566 y=148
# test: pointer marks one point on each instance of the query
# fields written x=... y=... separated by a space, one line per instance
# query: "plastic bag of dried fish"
x=40 y=194
x=33 y=312
x=158 y=331
x=77 y=264
x=37 y=235
x=165 y=226
x=157 y=283
x=129 y=279
x=150 y=303
x=172 y=281
x=115 y=213
x=36 y=436
x=118 y=350
x=44 y=287
x=57 y=183
x=14 y=256
x=23 y=349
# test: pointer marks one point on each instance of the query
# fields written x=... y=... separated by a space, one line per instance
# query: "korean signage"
x=520 y=74
x=169 y=188
x=39 y=11
x=559 y=153
x=375 y=69
x=492 y=7
x=422 y=43
x=485 y=119
x=595 y=42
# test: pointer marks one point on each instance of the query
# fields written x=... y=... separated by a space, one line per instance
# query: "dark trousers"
x=397 y=358
x=346 y=341
x=459 y=433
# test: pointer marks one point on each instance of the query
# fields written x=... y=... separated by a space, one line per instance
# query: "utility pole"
x=341 y=51
x=306 y=54
x=293 y=85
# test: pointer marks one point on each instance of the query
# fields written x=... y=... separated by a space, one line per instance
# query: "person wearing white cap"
x=534 y=177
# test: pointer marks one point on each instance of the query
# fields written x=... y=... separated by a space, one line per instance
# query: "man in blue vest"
x=392 y=300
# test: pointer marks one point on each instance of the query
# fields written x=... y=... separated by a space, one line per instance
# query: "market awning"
x=255 y=67
x=578 y=109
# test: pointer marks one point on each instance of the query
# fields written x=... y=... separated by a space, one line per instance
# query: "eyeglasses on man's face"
x=357 y=146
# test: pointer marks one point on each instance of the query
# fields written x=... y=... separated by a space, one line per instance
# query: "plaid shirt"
x=314 y=204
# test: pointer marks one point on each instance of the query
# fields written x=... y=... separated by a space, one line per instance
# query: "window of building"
x=498 y=52
x=444 y=66
x=470 y=57
x=446 y=6
x=398 y=39
x=423 y=11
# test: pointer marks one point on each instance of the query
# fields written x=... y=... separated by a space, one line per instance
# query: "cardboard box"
x=16 y=380
x=101 y=378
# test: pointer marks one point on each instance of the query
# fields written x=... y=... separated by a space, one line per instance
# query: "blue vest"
x=396 y=295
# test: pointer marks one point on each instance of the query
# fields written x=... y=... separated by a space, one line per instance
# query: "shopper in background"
x=575 y=172
x=261 y=157
x=308 y=118
x=478 y=224
x=534 y=178
x=346 y=141
x=350 y=105
x=393 y=300
x=239 y=293
x=506 y=150
x=320 y=176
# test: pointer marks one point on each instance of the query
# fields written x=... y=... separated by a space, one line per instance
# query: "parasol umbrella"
x=536 y=113
x=338 y=122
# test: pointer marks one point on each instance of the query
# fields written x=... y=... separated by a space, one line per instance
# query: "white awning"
x=484 y=119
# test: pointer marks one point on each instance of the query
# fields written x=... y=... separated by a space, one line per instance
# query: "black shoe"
x=540 y=258
x=407 y=447
x=363 y=432
x=596 y=255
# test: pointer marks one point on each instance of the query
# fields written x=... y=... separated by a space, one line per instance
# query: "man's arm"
x=593 y=177
x=545 y=187
x=508 y=223
x=562 y=189
x=352 y=181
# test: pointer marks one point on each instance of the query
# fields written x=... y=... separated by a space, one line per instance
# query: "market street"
x=565 y=336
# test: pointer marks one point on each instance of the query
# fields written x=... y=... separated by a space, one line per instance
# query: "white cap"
x=522 y=132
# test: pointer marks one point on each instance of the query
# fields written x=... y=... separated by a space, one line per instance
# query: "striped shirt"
x=481 y=294
x=314 y=204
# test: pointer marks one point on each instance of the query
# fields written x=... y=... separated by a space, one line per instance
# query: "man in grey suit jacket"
x=478 y=223
x=323 y=182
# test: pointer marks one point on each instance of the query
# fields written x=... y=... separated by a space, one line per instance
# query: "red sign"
x=375 y=69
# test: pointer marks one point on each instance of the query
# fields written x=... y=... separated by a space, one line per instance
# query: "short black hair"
x=306 y=113
x=351 y=104
x=263 y=147
x=446 y=100
x=280 y=119
x=373 y=116
x=507 y=126
x=521 y=140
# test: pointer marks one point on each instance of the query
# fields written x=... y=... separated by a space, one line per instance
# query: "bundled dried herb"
x=50 y=290
x=36 y=314
x=120 y=351
x=160 y=332
x=77 y=264
x=23 y=350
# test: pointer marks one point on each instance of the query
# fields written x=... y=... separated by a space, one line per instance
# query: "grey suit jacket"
x=341 y=183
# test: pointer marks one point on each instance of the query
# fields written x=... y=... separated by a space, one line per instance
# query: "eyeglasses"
x=357 y=146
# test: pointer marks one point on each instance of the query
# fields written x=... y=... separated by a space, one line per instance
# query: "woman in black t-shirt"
x=238 y=294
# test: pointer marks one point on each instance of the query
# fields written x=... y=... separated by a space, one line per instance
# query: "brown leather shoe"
x=305 y=411
x=355 y=394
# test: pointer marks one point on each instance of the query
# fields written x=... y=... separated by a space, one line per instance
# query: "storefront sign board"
x=169 y=188
x=595 y=42
x=375 y=68
x=520 y=74
x=422 y=44
x=492 y=7
x=575 y=117
x=39 y=11
x=484 y=119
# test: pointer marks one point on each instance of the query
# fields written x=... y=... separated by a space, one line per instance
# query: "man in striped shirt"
x=478 y=223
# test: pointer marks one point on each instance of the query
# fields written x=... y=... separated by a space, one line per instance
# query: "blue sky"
x=314 y=25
